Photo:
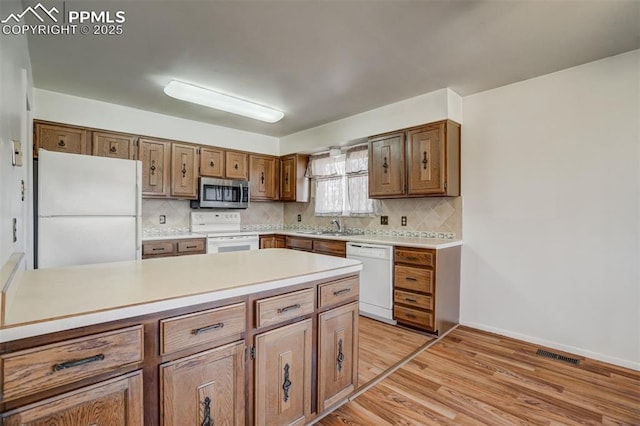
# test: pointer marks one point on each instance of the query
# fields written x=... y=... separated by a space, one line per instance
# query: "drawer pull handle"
x=410 y=279
x=411 y=300
x=340 y=358
x=192 y=246
x=412 y=258
x=343 y=291
x=288 y=308
x=158 y=249
x=206 y=417
x=410 y=316
x=287 y=383
x=197 y=331
x=78 y=362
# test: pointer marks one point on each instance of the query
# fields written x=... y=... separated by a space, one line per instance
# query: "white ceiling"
x=320 y=61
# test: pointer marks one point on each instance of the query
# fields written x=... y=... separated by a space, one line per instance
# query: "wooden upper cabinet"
x=155 y=156
x=386 y=166
x=433 y=159
x=184 y=171
x=211 y=162
x=236 y=166
x=294 y=186
x=69 y=139
x=263 y=177
x=429 y=162
x=204 y=389
x=114 y=145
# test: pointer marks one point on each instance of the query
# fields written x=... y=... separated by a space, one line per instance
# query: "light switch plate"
x=16 y=156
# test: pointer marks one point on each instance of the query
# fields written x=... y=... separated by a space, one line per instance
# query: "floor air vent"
x=559 y=357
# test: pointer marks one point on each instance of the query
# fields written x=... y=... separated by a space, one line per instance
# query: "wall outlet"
x=163 y=219
x=299 y=218
x=384 y=220
x=403 y=221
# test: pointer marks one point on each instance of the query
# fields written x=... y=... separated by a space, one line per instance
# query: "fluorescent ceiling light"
x=211 y=99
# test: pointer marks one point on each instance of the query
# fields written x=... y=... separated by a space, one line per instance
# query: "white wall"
x=15 y=124
x=69 y=109
x=551 y=184
x=421 y=109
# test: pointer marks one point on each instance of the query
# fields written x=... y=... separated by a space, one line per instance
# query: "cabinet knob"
x=113 y=149
x=211 y=164
x=61 y=143
x=236 y=166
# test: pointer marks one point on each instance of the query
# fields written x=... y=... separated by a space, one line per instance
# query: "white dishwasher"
x=376 y=279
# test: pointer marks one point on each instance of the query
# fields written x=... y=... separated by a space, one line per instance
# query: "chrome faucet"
x=338 y=223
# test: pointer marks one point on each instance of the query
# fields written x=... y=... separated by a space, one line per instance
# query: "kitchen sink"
x=332 y=233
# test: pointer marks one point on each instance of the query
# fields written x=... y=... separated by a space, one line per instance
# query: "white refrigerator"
x=89 y=209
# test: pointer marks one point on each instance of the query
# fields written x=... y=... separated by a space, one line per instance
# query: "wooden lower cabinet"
x=272 y=241
x=204 y=389
x=337 y=354
x=113 y=402
x=283 y=375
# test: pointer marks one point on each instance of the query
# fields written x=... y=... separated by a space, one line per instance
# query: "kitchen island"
x=254 y=337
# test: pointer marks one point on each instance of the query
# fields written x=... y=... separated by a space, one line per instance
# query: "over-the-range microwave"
x=222 y=194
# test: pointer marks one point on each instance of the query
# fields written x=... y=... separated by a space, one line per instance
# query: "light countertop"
x=391 y=240
x=171 y=236
x=48 y=300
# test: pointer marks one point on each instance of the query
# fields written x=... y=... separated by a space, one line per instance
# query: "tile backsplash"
x=433 y=215
x=177 y=214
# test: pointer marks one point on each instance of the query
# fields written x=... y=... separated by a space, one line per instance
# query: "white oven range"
x=223 y=232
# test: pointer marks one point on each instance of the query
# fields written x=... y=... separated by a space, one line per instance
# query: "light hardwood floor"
x=472 y=378
x=382 y=346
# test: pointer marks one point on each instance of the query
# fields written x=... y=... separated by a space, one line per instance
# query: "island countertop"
x=49 y=300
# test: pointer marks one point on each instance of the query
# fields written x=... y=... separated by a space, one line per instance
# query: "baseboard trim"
x=555 y=345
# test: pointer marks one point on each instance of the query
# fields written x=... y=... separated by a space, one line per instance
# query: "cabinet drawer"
x=415 y=279
x=212 y=327
x=424 y=257
x=338 y=291
x=414 y=300
x=330 y=247
x=45 y=367
x=413 y=317
x=190 y=246
x=161 y=247
x=300 y=243
x=273 y=310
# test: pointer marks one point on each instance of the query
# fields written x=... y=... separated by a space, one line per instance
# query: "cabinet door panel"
x=236 y=165
x=208 y=385
x=113 y=145
x=288 y=179
x=283 y=375
x=262 y=177
x=386 y=166
x=184 y=171
x=337 y=354
x=114 y=402
x=61 y=139
x=155 y=157
x=425 y=152
x=211 y=162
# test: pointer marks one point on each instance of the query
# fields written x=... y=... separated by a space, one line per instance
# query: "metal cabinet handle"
x=385 y=166
x=411 y=300
x=206 y=413
x=192 y=246
x=113 y=149
x=235 y=166
x=211 y=164
x=153 y=167
x=343 y=291
x=410 y=316
x=410 y=279
x=261 y=177
x=158 y=249
x=286 y=178
x=413 y=258
x=217 y=326
x=61 y=143
x=286 y=384
x=184 y=170
x=340 y=358
x=78 y=362
x=289 y=308
x=424 y=160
